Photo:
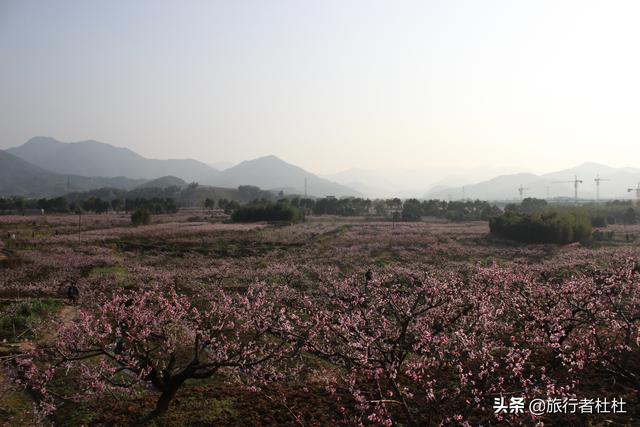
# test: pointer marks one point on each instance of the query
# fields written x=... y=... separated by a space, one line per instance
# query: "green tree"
x=411 y=210
x=141 y=217
x=280 y=211
x=117 y=204
x=630 y=216
x=550 y=226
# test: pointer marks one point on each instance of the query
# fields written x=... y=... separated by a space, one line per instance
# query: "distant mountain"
x=440 y=188
x=221 y=165
x=498 y=188
x=18 y=177
x=47 y=167
x=412 y=182
x=164 y=182
x=92 y=158
x=367 y=182
x=614 y=185
x=272 y=173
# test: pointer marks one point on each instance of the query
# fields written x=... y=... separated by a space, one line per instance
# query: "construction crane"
x=575 y=183
x=598 y=180
x=637 y=190
x=521 y=191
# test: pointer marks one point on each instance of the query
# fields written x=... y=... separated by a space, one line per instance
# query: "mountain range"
x=92 y=158
x=18 y=177
x=614 y=184
x=44 y=166
x=40 y=167
x=413 y=182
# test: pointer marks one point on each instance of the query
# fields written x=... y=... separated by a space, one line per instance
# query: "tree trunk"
x=162 y=405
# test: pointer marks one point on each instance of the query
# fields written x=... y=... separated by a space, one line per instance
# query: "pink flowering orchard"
x=159 y=337
x=319 y=213
x=418 y=348
x=327 y=322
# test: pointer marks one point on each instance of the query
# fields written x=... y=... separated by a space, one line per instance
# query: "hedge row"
x=549 y=226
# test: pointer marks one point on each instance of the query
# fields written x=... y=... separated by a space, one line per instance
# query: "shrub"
x=141 y=217
x=531 y=205
x=411 y=210
x=630 y=216
x=550 y=226
x=603 y=236
x=598 y=221
x=267 y=212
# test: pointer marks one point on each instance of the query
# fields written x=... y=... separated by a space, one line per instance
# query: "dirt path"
x=65 y=316
x=68 y=314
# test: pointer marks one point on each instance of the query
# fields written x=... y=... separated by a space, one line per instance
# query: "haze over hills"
x=18 y=177
x=550 y=185
x=367 y=182
x=41 y=166
x=413 y=182
x=271 y=172
x=221 y=165
x=91 y=158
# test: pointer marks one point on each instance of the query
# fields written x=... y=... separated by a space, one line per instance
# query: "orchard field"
x=334 y=321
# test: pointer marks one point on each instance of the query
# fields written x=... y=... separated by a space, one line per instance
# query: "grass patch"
x=16 y=318
x=114 y=271
x=382 y=257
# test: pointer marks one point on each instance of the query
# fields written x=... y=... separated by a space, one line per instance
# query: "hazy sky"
x=329 y=85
